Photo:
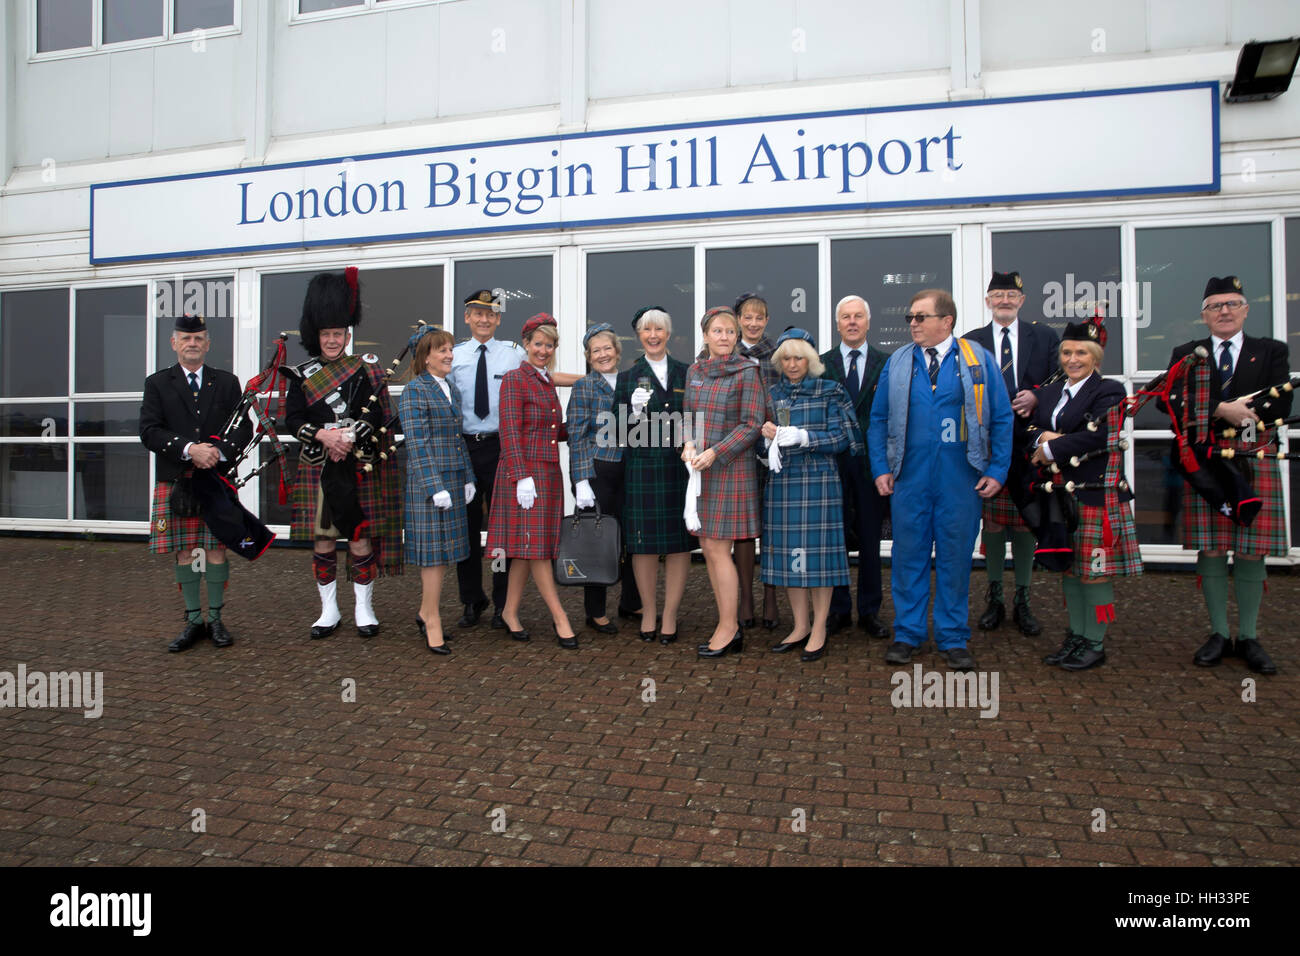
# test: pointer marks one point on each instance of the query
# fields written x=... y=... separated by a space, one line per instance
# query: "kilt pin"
x=532 y=426
x=654 y=476
x=436 y=460
x=726 y=405
x=803 y=510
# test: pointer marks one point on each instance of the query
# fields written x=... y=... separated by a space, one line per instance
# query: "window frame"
x=168 y=37
x=296 y=16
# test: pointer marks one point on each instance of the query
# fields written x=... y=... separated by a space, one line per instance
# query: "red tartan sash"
x=330 y=377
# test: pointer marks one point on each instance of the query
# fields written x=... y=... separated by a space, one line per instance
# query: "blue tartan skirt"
x=803 y=525
x=433 y=536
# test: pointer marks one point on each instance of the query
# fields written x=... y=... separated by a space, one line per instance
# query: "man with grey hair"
x=856 y=365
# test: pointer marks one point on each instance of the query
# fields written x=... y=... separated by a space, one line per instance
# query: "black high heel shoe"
x=424 y=636
x=519 y=635
x=649 y=636
x=607 y=628
x=808 y=656
x=568 y=643
x=734 y=646
x=786 y=646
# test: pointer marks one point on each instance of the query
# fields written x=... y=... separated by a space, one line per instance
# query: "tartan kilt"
x=804 y=509
x=434 y=536
x=729 y=501
x=1206 y=530
x=654 y=498
x=1000 y=509
x=1120 y=554
x=167 y=535
x=533 y=534
x=380 y=496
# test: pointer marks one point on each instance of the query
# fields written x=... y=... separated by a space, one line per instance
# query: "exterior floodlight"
x=1263 y=70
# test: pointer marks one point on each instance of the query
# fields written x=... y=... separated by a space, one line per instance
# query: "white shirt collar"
x=845 y=349
x=1014 y=327
x=943 y=348
x=1237 y=341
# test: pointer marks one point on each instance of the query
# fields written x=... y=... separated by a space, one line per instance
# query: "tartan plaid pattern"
x=436 y=460
x=1119 y=551
x=804 y=507
x=1000 y=509
x=655 y=478
x=532 y=427
x=535 y=533
x=728 y=405
x=167 y=535
x=1205 y=529
x=762 y=354
x=591 y=395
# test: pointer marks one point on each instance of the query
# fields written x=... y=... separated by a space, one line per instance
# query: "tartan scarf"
x=330 y=376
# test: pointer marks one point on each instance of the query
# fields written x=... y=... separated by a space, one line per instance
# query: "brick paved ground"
x=586 y=771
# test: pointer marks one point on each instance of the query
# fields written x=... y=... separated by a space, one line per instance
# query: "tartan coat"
x=532 y=426
x=803 y=511
x=761 y=354
x=1105 y=520
x=436 y=460
x=655 y=477
x=727 y=405
x=591 y=395
x=170 y=418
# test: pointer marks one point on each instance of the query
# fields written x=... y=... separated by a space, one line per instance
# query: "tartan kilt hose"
x=533 y=534
x=1000 y=509
x=1204 y=529
x=167 y=535
x=1106 y=536
x=654 y=498
x=435 y=536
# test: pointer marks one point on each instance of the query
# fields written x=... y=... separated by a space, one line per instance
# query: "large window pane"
x=392 y=302
x=34 y=421
x=1172 y=268
x=619 y=284
x=202 y=14
x=112 y=482
x=34 y=343
x=104 y=419
x=1293 y=290
x=524 y=286
x=1159 y=491
x=786 y=276
x=1067 y=273
x=132 y=20
x=110 y=339
x=212 y=298
x=63 y=25
x=887 y=272
x=34 y=480
x=271 y=511
x=282 y=295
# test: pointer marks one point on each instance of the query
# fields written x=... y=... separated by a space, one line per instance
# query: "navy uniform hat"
x=189 y=323
x=1224 y=286
x=1090 y=330
x=643 y=310
x=483 y=299
x=1006 y=280
x=594 y=331
x=793 y=332
x=333 y=301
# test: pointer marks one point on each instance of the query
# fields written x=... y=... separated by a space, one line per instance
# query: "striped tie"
x=934 y=367
x=1008 y=363
x=194 y=385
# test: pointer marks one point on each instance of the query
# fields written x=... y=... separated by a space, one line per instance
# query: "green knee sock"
x=188 y=579
x=217 y=575
x=995 y=554
x=1248 y=578
x=1214 y=587
x=1100 y=597
x=1074 y=604
x=1023 y=544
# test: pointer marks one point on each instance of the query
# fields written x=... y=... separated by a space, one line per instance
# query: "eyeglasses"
x=1232 y=305
x=920 y=316
x=1005 y=295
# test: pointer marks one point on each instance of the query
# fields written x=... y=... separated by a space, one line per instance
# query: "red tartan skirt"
x=1207 y=530
x=533 y=534
x=167 y=535
x=1105 y=542
x=1000 y=509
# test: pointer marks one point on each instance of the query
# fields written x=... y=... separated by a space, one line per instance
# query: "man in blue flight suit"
x=940 y=442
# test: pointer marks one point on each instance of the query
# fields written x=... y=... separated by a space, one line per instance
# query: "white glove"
x=788 y=435
x=691 y=513
x=470 y=492
x=584 y=496
x=526 y=493
x=774 y=457
x=640 y=398
x=442 y=500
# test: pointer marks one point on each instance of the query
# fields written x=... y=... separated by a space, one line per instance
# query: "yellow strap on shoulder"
x=972 y=361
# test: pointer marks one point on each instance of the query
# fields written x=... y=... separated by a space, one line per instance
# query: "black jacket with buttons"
x=170 y=418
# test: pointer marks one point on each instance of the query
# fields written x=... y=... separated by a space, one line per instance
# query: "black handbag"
x=591 y=546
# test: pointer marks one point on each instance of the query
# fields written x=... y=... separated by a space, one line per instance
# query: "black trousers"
x=483 y=457
x=608 y=486
x=864 y=511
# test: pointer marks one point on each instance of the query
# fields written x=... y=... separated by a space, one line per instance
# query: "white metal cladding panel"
x=1262 y=20
x=498 y=55
x=203 y=94
x=872 y=37
x=1031 y=31
x=635 y=49
x=327 y=74
x=130 y=101
x=62 y=110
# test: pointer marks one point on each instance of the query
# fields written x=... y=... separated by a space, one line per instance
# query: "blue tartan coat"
x=803 y=512
x=436 y=460
x=591 y=396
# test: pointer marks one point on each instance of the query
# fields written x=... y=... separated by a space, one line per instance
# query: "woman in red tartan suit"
x=528 y=498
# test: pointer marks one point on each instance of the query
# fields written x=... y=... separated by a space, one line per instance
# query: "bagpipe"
x=379 y=444
x=216 y=495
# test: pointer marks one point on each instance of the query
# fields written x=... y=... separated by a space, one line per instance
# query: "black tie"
x=934 y=367
x=482 y=407
x=1225 y=367
x=854 y=387
x=194 y=385
x=1008 y=363
x=1069 y=396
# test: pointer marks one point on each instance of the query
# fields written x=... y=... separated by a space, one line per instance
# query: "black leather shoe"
x=733 y=646
x=649 y=636
x=959 y=659
x=317 y=632
x=837 y=622
x=424 y=637
x=219 y=635
x=627 y=615
x=1256 y=657
x=809 y=656
x=187 y=638
x=900 y=652
x=1024 y=617
x=498 y=622
x=1083 y=658
x=667 y=639
x=367 y=630
x=747 y=622
x=472 y=613
x=1072 y=643
x=519 y=635
x=568 y=643
x=996 y=612
x=1212 y=651
x=770 y=623
x=871 y=624
x=609 y=627
x=786 y=646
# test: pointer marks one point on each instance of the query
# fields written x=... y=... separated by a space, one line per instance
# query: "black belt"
x=481 y=436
